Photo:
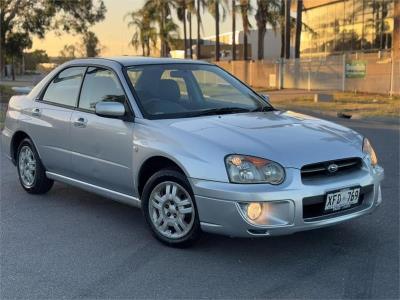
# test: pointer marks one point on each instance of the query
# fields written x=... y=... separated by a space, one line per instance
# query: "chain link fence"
x=361 y=72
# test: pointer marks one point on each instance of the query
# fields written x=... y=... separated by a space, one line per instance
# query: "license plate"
x=342 y=199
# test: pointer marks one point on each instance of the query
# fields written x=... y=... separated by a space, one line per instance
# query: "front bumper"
x=219 y=210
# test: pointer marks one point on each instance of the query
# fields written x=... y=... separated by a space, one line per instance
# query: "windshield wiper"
x=264 y=108
x=221 y=111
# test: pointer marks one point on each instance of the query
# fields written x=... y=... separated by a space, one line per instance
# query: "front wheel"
x=170 y=210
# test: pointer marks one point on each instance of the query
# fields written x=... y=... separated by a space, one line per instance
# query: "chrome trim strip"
x=313 y=170
x=347 y=165
x=123 y=198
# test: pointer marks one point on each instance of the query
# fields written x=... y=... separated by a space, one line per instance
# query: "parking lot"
x=73 y=244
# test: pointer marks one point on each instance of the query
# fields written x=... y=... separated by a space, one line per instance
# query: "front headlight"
x=250 y=169
x=367 y=149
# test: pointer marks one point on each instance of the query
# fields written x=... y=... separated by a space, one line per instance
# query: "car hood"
x=288 y=138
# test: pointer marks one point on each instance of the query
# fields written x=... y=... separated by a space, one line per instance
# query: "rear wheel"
x=170 y=210
x=31 y=172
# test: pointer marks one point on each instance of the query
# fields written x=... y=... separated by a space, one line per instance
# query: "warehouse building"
x=331 y=27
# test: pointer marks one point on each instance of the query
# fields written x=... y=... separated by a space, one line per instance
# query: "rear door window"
x=64 y=88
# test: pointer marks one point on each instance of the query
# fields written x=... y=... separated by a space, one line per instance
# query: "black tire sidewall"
x=41 y=183
x=174 y=176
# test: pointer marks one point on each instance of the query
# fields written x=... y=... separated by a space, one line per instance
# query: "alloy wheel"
x=171 y=210
x=27 y=166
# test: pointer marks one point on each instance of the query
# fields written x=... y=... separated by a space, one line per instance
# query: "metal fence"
x=362 y=72
x=260 y=74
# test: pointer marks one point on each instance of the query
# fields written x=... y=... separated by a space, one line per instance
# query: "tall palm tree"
x=145 y=33
x=245 y=9
x=181 y=13
x=267 y=13
x=191 y=9
x=198 y=17
x=171 y=39
x=161 y=12
x=214 y=7
x=233 y=29
x=299 y=23
x=199 y=4
x=288 y=23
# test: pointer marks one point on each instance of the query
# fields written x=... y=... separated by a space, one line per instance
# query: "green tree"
x=245 y=9
x=145 y=34
x=15 y=46
x=234 y=8
x=299 y=23
x=191 y=9
x=160 y=11
x=199 y=4
x=181 y=13
x=267 y=13
x=68 y=52
x=32 y=59
x=36 y=17
x=91 y=44
x=214 y=7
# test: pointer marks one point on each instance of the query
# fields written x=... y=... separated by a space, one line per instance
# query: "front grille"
x=321 y=169
x=313 y=207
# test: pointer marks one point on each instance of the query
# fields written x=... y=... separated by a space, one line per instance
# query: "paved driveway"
x=72 y=244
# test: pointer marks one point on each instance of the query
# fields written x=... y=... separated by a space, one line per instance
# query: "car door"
x=53 y=111
x=102 y=147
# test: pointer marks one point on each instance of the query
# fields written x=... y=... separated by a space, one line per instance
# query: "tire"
x=172 y=216
x=31 y=172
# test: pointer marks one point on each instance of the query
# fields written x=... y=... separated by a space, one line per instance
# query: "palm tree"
x=287 y=28
x=191 y=9
x=213 y=7
x=171 y=39
x=233 y=29
x=145 y=33
x=267 y=12
x=198 y=29
x=161 y=13
x=245 y=9
x=299 y=24
x=181 y=13
x=199 y=4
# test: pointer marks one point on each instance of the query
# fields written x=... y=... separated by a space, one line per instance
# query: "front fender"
x=196 y=157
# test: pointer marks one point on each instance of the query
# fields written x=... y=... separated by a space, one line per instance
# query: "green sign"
x=356 y=69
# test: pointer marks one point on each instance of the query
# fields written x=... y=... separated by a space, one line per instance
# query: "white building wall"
x=272 y=42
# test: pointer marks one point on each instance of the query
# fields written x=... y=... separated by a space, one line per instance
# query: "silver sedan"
x=190 y=144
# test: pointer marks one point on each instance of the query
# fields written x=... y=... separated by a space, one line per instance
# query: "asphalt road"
x=73 y=244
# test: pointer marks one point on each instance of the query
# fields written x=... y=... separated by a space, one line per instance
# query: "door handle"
x=36 y=112
x=80 y=122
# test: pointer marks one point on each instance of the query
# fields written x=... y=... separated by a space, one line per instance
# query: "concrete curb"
x=359 y=117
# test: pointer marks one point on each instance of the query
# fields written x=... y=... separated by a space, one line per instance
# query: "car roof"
x=137 y=60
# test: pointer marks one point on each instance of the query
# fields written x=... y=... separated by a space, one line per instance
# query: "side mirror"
x=110 y=109
x=266 y=98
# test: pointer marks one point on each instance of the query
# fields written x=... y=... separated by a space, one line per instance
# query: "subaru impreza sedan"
x=193 y=146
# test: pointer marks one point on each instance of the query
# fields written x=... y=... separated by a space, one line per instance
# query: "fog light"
x=254 y=210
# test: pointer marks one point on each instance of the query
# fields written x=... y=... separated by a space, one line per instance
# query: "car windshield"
x=189 y=90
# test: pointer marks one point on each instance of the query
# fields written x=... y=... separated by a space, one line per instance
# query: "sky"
x=114 y=34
